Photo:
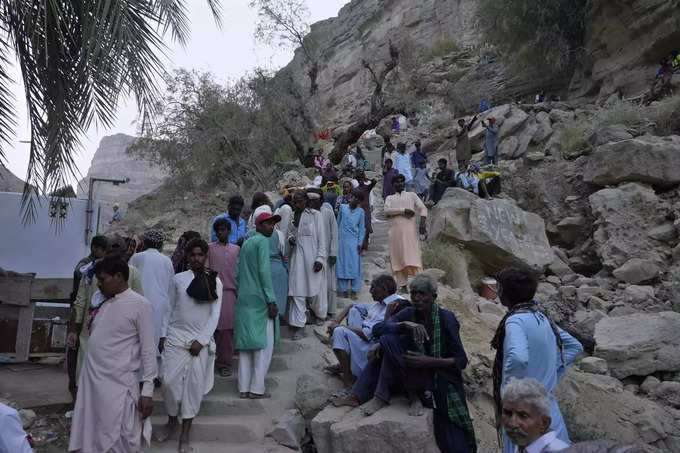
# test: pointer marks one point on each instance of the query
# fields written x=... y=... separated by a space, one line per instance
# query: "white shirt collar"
x=389 y=299
x=539 y=444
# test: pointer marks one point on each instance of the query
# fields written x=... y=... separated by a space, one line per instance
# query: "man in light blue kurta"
x=237 y=233
x=402 y=163
x=491 y=141
x=351 y=343
x=530 y=348
x=351 y=231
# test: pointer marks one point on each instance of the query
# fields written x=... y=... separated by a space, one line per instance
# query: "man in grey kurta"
x=308 y=257
x=491 y=142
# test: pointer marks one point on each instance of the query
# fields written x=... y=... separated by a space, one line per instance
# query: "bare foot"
x=350 y=401
x=166 y=432
x=184 y=446
x=372 y=406
x=299 y=334
x=415 y=408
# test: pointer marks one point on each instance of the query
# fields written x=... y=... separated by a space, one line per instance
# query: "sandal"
x=255 y=396
x=245 y=395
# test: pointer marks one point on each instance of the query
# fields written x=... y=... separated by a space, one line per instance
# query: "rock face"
x=624 y=41
x=620 y=416
x=419 y=30
x=499 y=233
x=639 y=344
x=637 y=271
x=646 y=159
x=389 y=429
x=112 y=161
x=9 y=182
x=624 y=216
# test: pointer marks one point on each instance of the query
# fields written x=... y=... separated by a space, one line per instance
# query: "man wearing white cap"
x=308 y=240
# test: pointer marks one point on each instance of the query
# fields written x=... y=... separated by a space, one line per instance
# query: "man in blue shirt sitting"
x=238 y=225
x=351 y=343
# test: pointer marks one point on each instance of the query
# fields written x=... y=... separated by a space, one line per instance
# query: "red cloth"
x=224 y=340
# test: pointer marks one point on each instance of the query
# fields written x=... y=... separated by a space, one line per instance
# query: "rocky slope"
x=112 y=161
x=9 y=182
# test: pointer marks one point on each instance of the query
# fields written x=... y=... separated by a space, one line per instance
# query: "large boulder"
x=389 y=429
x=647 y=159
x=623 y=217
x=497 y=232
x=596 y=406
x=637 y=271
x=639 y=344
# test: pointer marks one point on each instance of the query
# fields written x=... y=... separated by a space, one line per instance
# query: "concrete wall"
x=41 y=247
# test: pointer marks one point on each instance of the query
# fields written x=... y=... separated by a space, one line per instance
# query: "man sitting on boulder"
x=420 y=353
x=442 y=181
x=351 y=343
x=470 y=181
x=526 y=417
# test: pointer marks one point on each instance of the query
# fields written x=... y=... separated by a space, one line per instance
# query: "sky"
x=229 y=52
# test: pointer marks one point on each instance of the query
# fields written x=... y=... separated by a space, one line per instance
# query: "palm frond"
x=77 y=59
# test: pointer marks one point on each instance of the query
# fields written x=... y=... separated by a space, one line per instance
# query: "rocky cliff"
x=443 y=58
x=112 y=161
x=624 y=42
x=9 y=182
x=446 y=59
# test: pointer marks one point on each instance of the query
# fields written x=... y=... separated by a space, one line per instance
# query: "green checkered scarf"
x=458 y=411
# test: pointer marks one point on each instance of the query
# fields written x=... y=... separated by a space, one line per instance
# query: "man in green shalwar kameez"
x=256 y=322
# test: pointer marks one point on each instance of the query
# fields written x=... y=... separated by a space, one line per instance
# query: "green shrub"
x=443 y=47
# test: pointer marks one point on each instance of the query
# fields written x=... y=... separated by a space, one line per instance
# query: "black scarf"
x=203 y=287
x=497 y=344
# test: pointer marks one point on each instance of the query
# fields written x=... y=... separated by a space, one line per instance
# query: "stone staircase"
x=227 y=423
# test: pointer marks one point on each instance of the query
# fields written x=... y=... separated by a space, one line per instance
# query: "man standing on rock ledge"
x=401 y=208
x=529 y=345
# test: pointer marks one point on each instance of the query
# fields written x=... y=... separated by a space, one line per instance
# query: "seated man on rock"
x=470 y=181
x=420 y=354
x=526 y=417
x=442 y=181
x=351 y=343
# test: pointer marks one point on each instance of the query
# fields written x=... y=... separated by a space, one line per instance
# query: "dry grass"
x=443 y=47
x=438 y=254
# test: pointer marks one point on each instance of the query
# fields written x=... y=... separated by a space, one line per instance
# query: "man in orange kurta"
x=401 y=208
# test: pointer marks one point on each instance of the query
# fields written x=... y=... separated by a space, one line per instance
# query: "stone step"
x=228 y=430
x=219 y=447
x=217 y=404
x=229 y=385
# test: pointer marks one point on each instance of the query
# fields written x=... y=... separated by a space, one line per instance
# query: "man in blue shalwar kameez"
x=351 y=343
x=529 y=345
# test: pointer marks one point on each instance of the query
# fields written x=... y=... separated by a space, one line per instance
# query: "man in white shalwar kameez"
x=107 y=418
x=187 y=345
x=157 y=274
x=308 y=256
x=326 y=303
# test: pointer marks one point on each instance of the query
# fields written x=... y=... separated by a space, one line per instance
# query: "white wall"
x=40 y=247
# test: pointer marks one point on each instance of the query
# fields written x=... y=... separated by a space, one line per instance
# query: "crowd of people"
x=142 y=320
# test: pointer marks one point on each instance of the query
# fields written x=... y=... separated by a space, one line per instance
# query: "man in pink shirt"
x=223 y=257
x=111 y=413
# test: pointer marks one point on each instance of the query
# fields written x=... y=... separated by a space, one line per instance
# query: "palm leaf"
x=77 y=59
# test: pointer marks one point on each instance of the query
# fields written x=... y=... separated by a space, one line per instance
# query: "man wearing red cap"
x=256 y=321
